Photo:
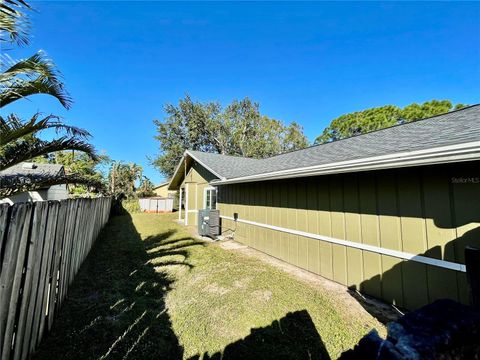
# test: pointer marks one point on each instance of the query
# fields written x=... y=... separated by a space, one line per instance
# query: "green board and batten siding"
x=195 y=182
x=421 y=211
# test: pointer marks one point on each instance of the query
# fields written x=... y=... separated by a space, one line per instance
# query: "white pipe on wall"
x=376 y=249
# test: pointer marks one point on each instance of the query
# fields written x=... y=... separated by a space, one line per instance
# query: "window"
x=210 y=198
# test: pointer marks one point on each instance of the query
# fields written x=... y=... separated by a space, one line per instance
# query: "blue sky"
x=304 y=62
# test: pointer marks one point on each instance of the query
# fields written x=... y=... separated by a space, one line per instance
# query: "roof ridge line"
x=234 y=156
x=377 y=130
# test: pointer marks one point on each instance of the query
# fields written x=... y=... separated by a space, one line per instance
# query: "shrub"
x=131 y=206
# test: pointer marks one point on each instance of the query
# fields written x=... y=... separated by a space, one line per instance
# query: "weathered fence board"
x=4 y=210
x=54 y=273
x=21 y=234
x=42 y=247
x=39 y=219
x=38 y=237
x=45 y=283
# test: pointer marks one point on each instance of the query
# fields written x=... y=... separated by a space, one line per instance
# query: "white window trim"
x=205 y=196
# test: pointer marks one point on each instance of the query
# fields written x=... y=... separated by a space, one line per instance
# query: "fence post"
x=472 y=262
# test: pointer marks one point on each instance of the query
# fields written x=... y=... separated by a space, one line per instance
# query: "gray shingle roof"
x=456 y=127
x=225 y=165
x=40 y=170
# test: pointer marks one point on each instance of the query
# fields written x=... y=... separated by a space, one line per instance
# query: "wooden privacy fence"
x=42 y=246
x=156 y=205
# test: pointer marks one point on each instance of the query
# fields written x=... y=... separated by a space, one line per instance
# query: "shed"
x=387 y=213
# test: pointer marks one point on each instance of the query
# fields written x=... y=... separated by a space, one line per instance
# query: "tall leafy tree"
x=146 y=188
x=238 y=129
x=122 y=178
x=293 y=137
x=19 y=139
x=361 y=122
x=427 y=109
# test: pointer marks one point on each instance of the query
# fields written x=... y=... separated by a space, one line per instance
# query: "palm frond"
x=39 y=64
x=14 y=24
x=35 y=75
x=13 y=128
x=21 y=88
x=13 y=184
x=25 y=150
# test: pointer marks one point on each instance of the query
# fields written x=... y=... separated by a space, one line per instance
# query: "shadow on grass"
x=292 y=337
x=116 y=307
x=446 y=281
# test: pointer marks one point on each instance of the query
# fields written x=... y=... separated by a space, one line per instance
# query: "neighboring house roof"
x=161 y=185
x=34 y=171
x=453 y=136
x=29 y=169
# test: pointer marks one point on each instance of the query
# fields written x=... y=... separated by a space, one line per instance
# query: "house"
x=29 y=170
x=388 y=213
x=162 y=190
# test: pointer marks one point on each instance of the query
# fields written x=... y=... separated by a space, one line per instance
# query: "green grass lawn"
x=148 y=290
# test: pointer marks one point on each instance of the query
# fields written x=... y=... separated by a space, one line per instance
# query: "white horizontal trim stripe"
x=445 y=154
x=376 y=249
x=192 y=211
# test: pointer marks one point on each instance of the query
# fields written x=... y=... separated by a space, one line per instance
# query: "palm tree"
x=122 y=178
x=18 y=140
x=146 y=188
x=14 y=23
x=35 y=75
x=134 y=173
x=18 y=143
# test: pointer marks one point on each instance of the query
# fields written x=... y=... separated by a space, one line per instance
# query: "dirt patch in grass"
x=242 y=283
x=216 y=289
x=262 y=295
